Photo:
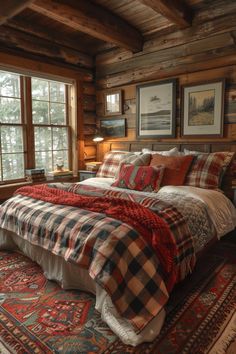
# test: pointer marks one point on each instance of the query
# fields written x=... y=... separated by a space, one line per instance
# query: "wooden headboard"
x=133 y=146
x=196 y=146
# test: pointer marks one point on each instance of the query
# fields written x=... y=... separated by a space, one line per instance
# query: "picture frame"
x=203 y=109
x=113 y=128
x=113 y=103
x=156 y=109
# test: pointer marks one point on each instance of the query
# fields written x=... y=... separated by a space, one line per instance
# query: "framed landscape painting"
x=112 y=128
x=156 y=109
x=203 y=109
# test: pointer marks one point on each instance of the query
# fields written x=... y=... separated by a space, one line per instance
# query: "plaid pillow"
x=207 y=169
x=140 y=178
x=111 y=163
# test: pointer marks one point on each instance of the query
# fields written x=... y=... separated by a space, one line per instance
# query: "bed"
x=127 y=236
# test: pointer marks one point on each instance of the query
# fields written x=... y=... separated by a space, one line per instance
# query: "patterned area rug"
x=37 y=316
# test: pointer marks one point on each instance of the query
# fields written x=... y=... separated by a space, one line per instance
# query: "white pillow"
x=192 y=152
x=171 y=152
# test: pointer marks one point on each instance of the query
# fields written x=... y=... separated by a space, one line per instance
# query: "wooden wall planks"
x=89 y=127
x=203 y=52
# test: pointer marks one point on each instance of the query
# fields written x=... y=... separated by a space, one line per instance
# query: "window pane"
x=60 y=138
x=57 y=92
x=57 y=113
x=11 y=139
x=40 y=112
x=9 y=84
x=43 y=159
x=39 y=89
x=10 y=110
x=60 y=155
x=42 y=138
x=13 y=166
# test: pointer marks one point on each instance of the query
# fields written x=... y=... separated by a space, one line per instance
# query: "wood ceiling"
x=72 y=32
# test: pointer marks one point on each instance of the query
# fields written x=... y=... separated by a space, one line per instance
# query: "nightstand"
x=84 y=174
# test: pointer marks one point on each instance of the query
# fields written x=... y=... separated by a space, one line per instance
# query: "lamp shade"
x=98 y=137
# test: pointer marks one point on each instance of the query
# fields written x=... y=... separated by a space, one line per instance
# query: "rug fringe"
x=225 y=339
x=3 y=349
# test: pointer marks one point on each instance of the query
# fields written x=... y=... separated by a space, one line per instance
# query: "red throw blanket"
x=150 y=226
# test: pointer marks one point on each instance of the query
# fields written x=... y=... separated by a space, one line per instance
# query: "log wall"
x=90 y=121
x=204 y=52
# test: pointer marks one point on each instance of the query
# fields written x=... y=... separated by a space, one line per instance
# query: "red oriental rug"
x=37 y=316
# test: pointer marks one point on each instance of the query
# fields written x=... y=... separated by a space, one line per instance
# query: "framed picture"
x=113 y=103
x=156 y=109
x=112 y=128
x=203 y=109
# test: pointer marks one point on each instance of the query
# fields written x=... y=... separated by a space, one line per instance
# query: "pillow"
x=111 y=163
x=176 y=168
x=140 y=178
x=171 y=152
x=141 y=160
x=228 y=177
x=191 y=152
x=207 y=170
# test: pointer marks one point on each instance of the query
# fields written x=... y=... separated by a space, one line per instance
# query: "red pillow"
x=140 y=178
x=176 y=168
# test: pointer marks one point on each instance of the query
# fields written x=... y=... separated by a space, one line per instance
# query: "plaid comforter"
x=117 y=258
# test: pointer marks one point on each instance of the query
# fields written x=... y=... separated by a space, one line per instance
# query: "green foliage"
x=48 y=108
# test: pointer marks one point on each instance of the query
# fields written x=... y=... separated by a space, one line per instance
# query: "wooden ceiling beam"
x=92 y=19
x=37 y=30
x=15 y=39
x=10 y=8
x=174 y=10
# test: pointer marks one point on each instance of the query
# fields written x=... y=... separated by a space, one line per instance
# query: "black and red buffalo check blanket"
x=135 y=248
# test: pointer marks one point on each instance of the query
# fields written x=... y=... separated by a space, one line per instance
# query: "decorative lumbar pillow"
x=207 y=170
x=171 y=152
x=176 y=168
x=140 y=178
x=111 y=163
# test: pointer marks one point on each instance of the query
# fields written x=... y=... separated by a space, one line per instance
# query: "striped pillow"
x=207 y=170
x=140 y=178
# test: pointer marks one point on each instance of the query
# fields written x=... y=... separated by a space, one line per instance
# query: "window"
x=51 y=130
x=45 y=120
x=11 y=128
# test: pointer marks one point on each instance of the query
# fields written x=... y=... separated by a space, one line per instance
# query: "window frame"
x=28 y=125
x=22 y=124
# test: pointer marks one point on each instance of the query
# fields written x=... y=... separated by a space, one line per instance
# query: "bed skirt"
x=71 y=276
